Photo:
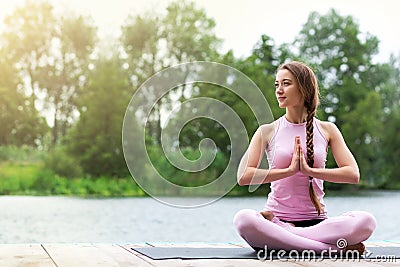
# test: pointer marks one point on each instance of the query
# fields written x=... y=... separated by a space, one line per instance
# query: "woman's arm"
x=248 y=170
x=347 y=170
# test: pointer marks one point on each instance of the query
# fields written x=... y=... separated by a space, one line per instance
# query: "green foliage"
x=20 y=154
x=261 y=66
x=183 y=178
x=60 y=163
x=17 y=177
x=341 y=55
x=50 y=54
x=351 y=87
x=157 y=41
x=391 y=151
x=20 y=124
x=22 y=171
x=20 y=121
x=364 y=125
x=96 y=140
x=50 y=184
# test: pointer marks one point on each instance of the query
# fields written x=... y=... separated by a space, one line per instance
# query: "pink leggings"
x=258 y=232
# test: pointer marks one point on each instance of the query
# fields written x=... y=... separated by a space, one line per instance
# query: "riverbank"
x=30 y=178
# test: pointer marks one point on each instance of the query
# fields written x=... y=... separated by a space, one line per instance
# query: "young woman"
x=296 y=146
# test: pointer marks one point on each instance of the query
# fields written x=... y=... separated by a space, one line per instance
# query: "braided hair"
x=308 y=86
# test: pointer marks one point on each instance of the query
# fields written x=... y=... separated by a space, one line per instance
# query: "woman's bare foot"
x=267 y=215
x=360 y=247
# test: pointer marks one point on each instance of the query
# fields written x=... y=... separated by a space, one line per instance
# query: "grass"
x=31 y=179
x=17 y=177
x=23 y=172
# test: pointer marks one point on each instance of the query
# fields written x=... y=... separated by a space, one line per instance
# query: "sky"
x=240 y=23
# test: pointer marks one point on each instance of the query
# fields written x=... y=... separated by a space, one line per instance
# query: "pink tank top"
x=289 y=198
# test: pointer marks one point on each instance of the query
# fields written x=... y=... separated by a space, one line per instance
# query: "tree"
x=19 y=120
x=389 y=89
x=261 y=67
x=51 y=56
x=95 y=140
x=153 y=43
x=390 y=95
x=363 y=126
x=342 y=57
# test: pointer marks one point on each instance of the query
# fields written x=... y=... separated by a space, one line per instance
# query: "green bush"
x=20 y=153
x=206 y=175
x=17 y=178
x=61 y=163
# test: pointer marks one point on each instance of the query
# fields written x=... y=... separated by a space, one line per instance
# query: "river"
x=54 y=219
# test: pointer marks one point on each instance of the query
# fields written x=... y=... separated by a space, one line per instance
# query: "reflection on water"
x=132 y=220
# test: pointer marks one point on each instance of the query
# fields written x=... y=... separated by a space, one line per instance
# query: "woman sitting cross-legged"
x=296 y=145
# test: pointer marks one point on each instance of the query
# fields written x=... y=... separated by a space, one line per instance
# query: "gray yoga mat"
x=160 y=253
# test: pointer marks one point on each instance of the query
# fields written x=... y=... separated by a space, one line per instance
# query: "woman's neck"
x=296 y=115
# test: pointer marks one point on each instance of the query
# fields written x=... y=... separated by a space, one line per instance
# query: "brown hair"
x=308 y=86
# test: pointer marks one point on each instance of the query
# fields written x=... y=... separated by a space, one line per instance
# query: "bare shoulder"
x=267 y=131
x=328 y=129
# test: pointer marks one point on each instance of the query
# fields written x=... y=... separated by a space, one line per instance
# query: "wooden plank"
x=373 y=244
x=156 y=263
x=394 y=241
x=241 y=245
x=389 y=264
x=123 y=257
x=111 y=255
x=316 y=262
x=128 y=248
x=238 y=263
x=387 y=243
x=91 y=255
x=341 y=262
x=22 y=255
x=383 y=244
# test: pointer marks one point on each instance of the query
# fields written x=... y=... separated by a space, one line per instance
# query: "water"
x=131 y=220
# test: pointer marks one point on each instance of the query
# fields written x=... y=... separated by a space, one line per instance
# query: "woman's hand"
x=299 y=162
x=304 y=168
x=295 y=163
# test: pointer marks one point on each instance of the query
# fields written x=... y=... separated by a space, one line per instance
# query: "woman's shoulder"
x=329 y=129
x=269 y=126
x=268 y=130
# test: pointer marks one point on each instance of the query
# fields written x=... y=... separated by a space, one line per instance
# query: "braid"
x=310 y=139
x=310 y=158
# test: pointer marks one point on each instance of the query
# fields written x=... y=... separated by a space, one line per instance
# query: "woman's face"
x=287 y=90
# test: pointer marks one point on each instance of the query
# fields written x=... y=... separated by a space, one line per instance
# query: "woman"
x=296 y=146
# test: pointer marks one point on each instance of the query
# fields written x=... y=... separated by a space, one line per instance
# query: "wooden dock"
x=116 y=255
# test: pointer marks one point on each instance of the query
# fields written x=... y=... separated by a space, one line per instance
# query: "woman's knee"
x=366 y=223
x=244 y=219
